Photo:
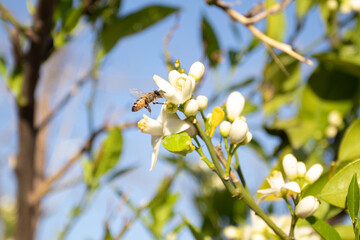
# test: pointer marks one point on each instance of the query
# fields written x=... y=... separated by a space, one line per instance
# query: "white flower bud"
x=307 y=207
x=232 y=232
x=225 y=128
x=202 y=102
x=355 y=4
x=238 y=131
x=197 y=70
x=234 y=105
x=332 y=4
x=191 y=108
x=335 y=118
x=314 y=173
x=248 y=138
x=331 y=131
x=301 y=169
x=290 y=166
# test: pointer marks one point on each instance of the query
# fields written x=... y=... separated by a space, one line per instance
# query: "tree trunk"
x=29 y=167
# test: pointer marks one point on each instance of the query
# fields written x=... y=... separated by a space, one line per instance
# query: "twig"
x=44 y=187
x=279 y=7
x=63 y=102
x=256 y=32
x=220 y=155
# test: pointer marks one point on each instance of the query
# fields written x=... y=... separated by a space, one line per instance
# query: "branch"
x=277 y=8
x=220 y=155
x=44 y=187
x=63 y=102
x=248 y=22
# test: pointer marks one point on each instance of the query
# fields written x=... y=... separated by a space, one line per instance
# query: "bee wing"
x=137 y=92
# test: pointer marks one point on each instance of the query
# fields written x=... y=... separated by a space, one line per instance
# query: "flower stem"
x=202 y=155
x=227 y=168
x=239 y=172
x=241 y=192
x=294 y=219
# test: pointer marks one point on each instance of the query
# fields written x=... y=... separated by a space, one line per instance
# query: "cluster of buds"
x=235 y=127
x=299 y=178
x=335 y=123
x=346 y=6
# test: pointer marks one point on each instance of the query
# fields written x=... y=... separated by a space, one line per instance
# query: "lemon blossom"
x=202 y=102
x=179 y=88
x=191 y=107
x=166 y=124
x=314 y=173
x=278 y=187
x=225 y=128
x=238 y=131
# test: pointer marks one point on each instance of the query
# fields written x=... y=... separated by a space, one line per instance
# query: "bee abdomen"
x=139 y=104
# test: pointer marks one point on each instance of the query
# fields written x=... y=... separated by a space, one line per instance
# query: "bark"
x=29 y=167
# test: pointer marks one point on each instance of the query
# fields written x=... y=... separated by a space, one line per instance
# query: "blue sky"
x=131 y=64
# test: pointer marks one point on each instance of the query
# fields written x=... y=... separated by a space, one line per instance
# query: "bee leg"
x=158 y=103
x=147 y=106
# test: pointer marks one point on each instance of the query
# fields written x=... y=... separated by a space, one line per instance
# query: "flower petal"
x=172 y=126
x=173 y=76
x=165 y=86
x=293 y=187
x=150 y=126
x=155 y=142
x=186 y=91
x=276 y=180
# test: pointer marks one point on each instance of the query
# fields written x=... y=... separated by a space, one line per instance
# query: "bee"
x=145 y=99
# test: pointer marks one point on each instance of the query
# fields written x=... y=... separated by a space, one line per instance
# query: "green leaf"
x=109 y=153
x=335 y=191
x=345 y=231
x=196 y=232
x=210 y=43
x=303 y=6
x=72 y=19
x=119 y=173
x=3 y=67
x=352 y=199
x=275 y=23
x=323 y=228
x=179 y=143
x=350 y=144
x=235 y=57
x=133 y=23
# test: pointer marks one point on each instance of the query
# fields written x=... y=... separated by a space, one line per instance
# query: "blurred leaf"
x=161 y=208
x=346 y=232
x=107 y=233
x=323 y=228
x=197 y=234
x=133 y=23
x=278 y=85
x=303 y=6
x=335 y=190
x=109 y=153
x=352 y=199
x=210 y=43
x=88 y=172
x=249 y=108
x=72 y=19
x=275 y=23
x=119 y=173
x=179 y=143
x=350 y=144
x=15 y=83
x=258 y=149
x=347 y=63
x=3 y=67
x=235 y=57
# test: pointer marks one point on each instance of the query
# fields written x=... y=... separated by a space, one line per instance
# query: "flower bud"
x=170 y=107
x=234 y=105
x=197 y=70
x=307 y=207
x=232 y=232
x=335 y=118
x=314 y=173
x=248 y=138
x=290 y=166
x=301 y=169
x=331 y=131
x=191 y=108
x=355 y=4
x=238 y=131
x=192 y=131
x=202 y=102
x=332 y=4
x=225 y=128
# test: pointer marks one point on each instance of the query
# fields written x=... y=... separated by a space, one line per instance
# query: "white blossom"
x=202 y=102
x=314 y=173
x=166 y=124
x=238 y=131
x=289 y=163
x=225 y=128
x=197 y=70
x=191 y=107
